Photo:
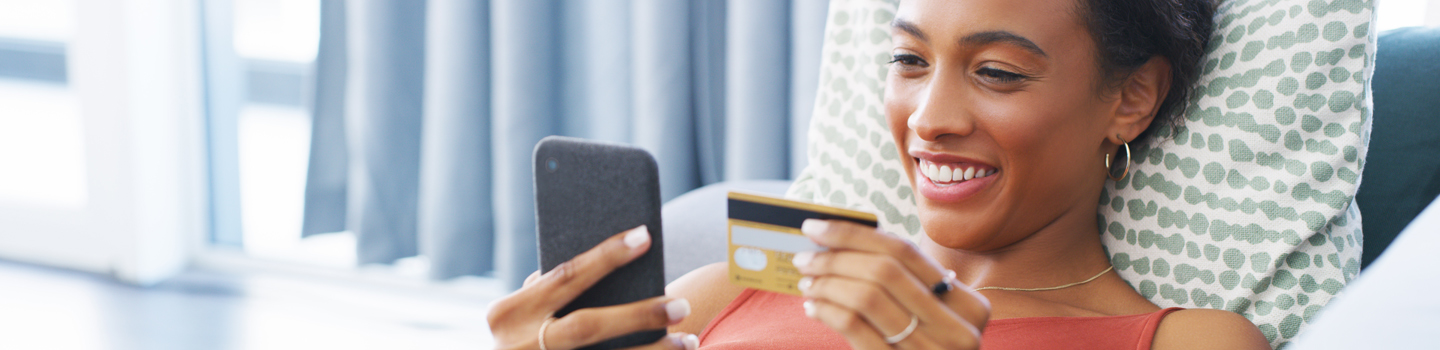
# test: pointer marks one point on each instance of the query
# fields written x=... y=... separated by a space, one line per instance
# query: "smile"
x=944 y=174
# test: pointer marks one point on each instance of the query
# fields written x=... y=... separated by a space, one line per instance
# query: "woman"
x=1010 y=112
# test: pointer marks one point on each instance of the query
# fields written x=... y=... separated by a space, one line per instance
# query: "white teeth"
x=946 y=174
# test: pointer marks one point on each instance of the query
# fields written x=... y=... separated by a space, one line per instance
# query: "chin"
x=954 y=230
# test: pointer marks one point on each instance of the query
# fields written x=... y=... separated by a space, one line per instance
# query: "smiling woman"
x=1036 y=104
x=1006 y=116
x=1247 y=242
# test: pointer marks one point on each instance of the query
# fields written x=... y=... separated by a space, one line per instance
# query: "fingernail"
x=684 y=340
x=805 y=282
x=637 y=236
x=814 y=227
x=802 y=259
x=692 y=342
x=809 y=306
x=677 y=310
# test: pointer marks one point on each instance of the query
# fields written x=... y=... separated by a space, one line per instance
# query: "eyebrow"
x=908 y=27
x=977 y=39
x=1000 y=36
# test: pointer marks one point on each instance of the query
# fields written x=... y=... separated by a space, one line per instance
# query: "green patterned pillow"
x=1248 y=206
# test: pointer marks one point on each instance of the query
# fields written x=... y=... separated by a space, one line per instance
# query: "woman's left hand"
x=871 y=286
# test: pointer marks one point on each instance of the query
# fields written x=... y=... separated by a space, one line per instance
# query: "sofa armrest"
x=695 y=229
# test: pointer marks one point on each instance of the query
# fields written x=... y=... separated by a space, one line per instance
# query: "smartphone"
x=585 y=192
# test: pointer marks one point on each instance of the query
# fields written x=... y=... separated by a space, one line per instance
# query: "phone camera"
x=551 y=164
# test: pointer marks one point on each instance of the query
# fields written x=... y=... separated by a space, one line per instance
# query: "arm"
x=1208 y=329
x=708 y=292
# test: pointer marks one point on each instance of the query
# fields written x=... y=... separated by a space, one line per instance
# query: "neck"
x=1065 y=251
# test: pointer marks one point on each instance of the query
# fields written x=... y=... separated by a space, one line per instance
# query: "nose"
x=941 y=111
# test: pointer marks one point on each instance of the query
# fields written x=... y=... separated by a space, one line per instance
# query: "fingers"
x=840 y=234
x=892 y=262
x=566 y=281
x=676 y=341
x=858 y=332
x=874 y=305
x=887 y=277
x=531 y=279
x=866 y=316
x=884 y=314
x=883 y=276
x=973 y=307
x=879 y=281
x=592 y=325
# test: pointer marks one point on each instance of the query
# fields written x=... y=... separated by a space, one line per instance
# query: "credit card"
x=765 y=235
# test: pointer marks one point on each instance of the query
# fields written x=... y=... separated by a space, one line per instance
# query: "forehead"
x=1052 y=25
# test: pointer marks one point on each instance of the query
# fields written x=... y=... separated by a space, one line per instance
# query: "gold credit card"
x=765 y=235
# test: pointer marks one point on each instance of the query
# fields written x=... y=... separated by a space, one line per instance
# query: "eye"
x=1002 y=76
x=906 y=59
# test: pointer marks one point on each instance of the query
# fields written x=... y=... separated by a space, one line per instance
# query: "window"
x=276 y=42
x=1391 y=14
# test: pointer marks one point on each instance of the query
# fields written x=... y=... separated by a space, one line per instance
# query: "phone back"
x=585 y=192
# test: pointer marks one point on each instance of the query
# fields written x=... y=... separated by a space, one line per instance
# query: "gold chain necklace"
x=1102 y=273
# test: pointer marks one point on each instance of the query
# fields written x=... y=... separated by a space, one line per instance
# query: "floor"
x=47 y=308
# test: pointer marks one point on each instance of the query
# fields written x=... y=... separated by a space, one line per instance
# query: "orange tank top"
x=764 y=320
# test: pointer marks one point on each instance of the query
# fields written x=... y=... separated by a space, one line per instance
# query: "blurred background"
x=274 y=174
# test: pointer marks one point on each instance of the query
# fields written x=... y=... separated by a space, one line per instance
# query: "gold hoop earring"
x=1110 y=170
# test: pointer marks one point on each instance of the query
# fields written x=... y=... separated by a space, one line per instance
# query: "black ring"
x=941 y=288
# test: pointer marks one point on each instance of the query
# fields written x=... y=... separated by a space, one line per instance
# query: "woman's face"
x=1003 y=93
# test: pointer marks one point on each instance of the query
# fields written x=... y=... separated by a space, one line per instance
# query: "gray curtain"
x=329 y=168
x=455 y=168
x=445 y=104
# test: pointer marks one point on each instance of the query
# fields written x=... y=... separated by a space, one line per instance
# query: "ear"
x=1140 y=98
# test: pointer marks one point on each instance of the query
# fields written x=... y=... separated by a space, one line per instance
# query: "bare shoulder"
x=708 y=291
x=1208 y=329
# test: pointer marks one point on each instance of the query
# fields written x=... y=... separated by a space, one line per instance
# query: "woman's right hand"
x=516 y=319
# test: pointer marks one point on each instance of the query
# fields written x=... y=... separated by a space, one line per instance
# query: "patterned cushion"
x=1247 y=206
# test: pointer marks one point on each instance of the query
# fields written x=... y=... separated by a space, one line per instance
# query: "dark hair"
x=1128 y=33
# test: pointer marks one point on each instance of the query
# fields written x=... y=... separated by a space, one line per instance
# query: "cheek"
x=1026 y=131
x=1045 y=125
x=1050 y=141
x=899 y=105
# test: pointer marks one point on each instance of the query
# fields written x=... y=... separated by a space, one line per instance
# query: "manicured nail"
x=677 y=340
x=692 y=342
x=637 y=236
x=677 y=309
x=805 y=283
x=809 y=306
x=814 y=227
x=802 y=259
